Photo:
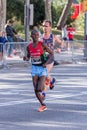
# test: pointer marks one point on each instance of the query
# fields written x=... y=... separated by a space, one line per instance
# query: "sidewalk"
x=63 y=57
x=69 y=58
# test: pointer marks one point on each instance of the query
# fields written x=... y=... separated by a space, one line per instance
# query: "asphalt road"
x=66 y=103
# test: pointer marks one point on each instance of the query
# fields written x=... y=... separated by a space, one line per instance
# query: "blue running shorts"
x=39 y=71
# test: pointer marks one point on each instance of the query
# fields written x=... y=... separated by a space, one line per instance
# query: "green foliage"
x=79 y=23
x=15 y=8
x=57 y=8
x=79 y=36
x=56 y=13
x=56 y=32
x=39 y=11
x=18 y=27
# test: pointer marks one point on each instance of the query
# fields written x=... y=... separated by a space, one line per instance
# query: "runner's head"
x=35 y=35
x=47 y=26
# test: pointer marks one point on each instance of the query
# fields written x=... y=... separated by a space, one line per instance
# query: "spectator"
x=70 y=30
x=11 y=33
x=3 y=40
x=65 y=37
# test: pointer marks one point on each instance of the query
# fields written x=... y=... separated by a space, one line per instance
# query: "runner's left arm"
x=45 y=47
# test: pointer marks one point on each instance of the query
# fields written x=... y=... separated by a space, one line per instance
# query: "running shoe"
x=52 y=83
x=42 y=108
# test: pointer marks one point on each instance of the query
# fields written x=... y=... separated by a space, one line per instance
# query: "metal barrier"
x=75 y=54
x=18 y=50
x=78 y=50
x=72 y=54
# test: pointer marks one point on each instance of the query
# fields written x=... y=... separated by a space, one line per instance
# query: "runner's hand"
x=25 y=58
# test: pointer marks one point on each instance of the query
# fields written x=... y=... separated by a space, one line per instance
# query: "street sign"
x=31 y=14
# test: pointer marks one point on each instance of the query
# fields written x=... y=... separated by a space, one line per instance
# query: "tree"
x=64 y=14
x=48 y=10
x=57 y=7
x=16 y=10
x=2 y=14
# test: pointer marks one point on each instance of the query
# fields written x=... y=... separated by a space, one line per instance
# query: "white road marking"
x=17 y=102
x=50 y=99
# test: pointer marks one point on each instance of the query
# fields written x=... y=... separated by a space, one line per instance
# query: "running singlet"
x=35 y=53
x=49 y=43
x=71 y=33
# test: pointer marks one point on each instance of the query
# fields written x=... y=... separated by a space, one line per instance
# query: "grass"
x=78 y=35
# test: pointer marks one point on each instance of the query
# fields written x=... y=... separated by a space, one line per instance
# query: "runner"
x=48 y=38
x=35 y=51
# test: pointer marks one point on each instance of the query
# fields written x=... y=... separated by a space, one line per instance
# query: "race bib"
x=36 y=60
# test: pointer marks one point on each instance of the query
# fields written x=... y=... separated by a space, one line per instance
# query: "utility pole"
x=85 y=43
x=84 y=9
x=27 y=19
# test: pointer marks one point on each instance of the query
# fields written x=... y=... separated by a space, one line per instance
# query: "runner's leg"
x=38 y=83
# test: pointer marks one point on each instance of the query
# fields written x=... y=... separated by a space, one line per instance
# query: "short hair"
x=34 y=31
x=50 y=23
x=10 y=21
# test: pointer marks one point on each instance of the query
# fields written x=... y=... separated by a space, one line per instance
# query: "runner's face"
x=46 y=27
x=35 y=36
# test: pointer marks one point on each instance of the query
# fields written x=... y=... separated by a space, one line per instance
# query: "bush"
x=19 y=28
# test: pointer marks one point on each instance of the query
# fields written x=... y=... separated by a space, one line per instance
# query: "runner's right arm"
x=27 y=57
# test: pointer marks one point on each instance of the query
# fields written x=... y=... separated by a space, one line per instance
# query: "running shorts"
x=39 y=71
